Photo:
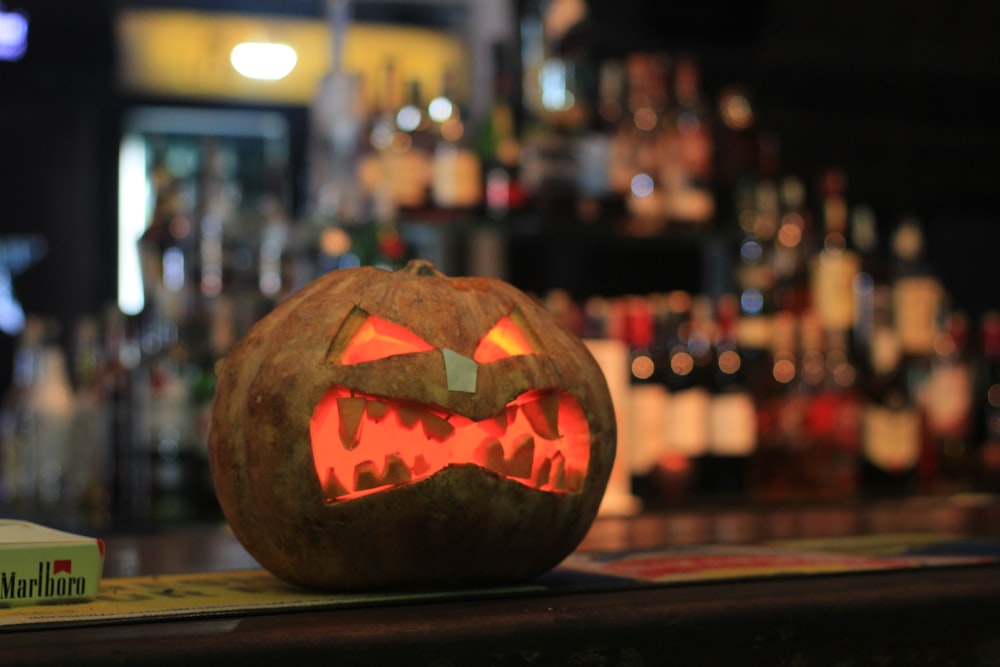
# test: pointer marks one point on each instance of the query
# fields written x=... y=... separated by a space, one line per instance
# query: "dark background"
x=897 y=94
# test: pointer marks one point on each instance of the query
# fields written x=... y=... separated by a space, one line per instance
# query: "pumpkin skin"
x=461 y=523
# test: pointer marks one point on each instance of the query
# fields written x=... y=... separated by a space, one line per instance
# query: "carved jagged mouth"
x=363 y=444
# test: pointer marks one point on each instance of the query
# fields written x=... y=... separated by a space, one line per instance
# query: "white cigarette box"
x=41 y=565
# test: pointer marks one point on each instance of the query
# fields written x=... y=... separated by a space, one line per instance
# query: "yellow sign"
x=186 y=54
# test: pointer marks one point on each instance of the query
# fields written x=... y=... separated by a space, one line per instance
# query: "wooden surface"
x=946 y=615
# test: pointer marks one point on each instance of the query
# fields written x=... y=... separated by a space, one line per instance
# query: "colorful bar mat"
x=242 y=592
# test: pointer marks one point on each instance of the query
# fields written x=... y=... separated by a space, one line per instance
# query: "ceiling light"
x=263 y=60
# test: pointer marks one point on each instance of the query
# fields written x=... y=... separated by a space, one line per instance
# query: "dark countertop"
x=943 y=615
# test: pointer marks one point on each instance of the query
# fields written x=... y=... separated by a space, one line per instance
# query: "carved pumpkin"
x=395 y=429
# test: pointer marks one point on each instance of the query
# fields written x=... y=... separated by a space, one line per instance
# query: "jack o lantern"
x=399 y=429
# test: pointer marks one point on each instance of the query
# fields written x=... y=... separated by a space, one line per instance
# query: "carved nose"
x=461 y=371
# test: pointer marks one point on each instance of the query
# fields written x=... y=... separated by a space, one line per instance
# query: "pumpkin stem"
x=421 y=267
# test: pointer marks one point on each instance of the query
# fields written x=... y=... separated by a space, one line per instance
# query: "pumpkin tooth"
x=408 y=417
x=396 y=471
x=557 y=477
x=520 y=462
x=420 y=465
x=333 y=488
x=489 y=454
x=541 y=476
x=350 y=410
x=543 y=415
x=377 y=410
x=436 y=428
x=574 y=479
x=497 y=426
x=366 y=476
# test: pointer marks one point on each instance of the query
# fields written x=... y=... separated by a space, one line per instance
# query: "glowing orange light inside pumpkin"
x=362 y=444
x=505 y=339
x=378 y=339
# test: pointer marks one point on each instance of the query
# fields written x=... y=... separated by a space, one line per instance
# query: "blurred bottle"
x=648 y=401
x=408 y=162
x=732 y=412
x=917 y=303
x=38 y=428
x=988 y=403
x=781 y=414
x=836 y=264
x=498 y=144
x=870 y=277
x=834 y=419
x=688 y=385
x=793 y=247
x=91 y=476
x=638 y=148
x=948 y=403
x=891 y=424
x=456 y=172
x=687 y=165
x=376 y=162
x=130 y=493
x=738 y=143
x=17 y=421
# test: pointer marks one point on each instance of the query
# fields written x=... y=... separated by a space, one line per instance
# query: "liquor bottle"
x=792 y=247
x=836 y=264
x=637 y=151
x=781 y=414
x=738 y=143
x=17 y=422
x=604 y=332
x=456 y=171
x=409 y=165
x=648 y=401
x=687 y=414
x=90 y=477
x=376 y=158
x=988 y=402
x=871 y=275
x=948 y=399
x=918 y=299
x=498 y=145
x=688 y=163
x=594 y=148
x=891 y=425
x=732 y=411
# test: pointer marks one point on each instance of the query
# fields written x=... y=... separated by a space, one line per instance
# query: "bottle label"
x=917 y=302
x=409 y=174
x=648 y=406
x=833 y=288
x=891 y=438
x=456 y=178
x=732 y=421
x=755 y=332
x=687 y=422
x=948 y=398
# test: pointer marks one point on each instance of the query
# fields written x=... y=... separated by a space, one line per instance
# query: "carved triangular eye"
x=510 y=337
x=376 y=339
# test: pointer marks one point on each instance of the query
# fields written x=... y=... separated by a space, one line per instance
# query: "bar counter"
x=942 y=615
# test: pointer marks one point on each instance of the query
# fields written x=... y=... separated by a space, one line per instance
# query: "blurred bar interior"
x=773 y=223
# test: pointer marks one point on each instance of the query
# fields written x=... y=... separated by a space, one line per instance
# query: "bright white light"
x=440 y=109
x=268 y=61
x=553 y=78
x=13 y=34
x=642 y=185
x=408 y=118
x=131 y=223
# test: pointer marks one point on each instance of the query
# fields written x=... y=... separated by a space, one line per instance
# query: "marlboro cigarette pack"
x=40 y=565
